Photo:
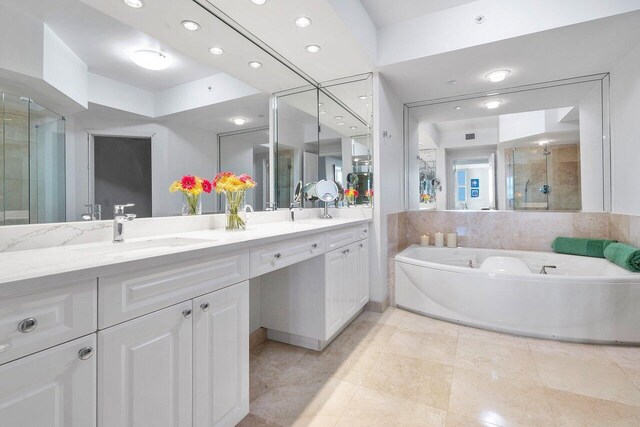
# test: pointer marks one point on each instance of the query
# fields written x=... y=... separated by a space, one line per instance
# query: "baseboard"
x=377 y=306
x=257 y=338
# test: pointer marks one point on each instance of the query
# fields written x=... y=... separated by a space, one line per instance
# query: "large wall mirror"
x=103 y=104
x=325 y=134
x=541 y=147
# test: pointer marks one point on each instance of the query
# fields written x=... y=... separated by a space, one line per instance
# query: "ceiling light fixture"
x=216 y=50
x=136 y=4
x=255 y=64
x=238 y=121
x=313 y=48
x=497 y=76
x=338 y=117
x=452 y=82
x=543 y=142
x=150 y=59
x=323 y=113
x=303 y=22
x=492 y=104
x=353 y=127
x=362 y=97
x=259 y=2
x=457 y=107
x=190 y=25
x=340 y=123
x=320 y=104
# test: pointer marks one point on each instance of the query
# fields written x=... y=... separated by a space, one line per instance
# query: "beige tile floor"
x=401 y=369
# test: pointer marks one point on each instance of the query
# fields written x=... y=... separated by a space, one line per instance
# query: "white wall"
x=388 y=178
x=625 y=133
x=121 y=96
x=521 y=125
x=176 y=151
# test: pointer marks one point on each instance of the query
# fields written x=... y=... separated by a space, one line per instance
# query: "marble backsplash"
x=533 y=231
x=36 y=236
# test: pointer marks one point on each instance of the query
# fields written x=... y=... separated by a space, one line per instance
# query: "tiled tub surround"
x=532 y=231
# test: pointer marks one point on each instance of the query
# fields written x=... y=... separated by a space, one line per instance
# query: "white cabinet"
x=221 y=357
x=363 y=272
x=53 y=388
x=333 y=305
x=145 y=371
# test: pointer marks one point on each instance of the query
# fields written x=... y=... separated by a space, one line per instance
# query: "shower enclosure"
x=544 y=177
x=32 y=162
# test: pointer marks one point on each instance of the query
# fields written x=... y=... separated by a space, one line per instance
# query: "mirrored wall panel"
x=537 y=148
x=148 y=95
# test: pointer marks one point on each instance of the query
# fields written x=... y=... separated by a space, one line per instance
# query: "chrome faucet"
x=544 y=268
x=94 y=213
x=118 y=221
x=292 y=208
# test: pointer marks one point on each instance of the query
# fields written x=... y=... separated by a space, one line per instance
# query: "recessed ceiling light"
x=136 y=4
x=339 y=117
x=362 y=97
x=452 y=82
x=492 y=104
x=497 y=76
x=303 y=22
x=255 y=64
x=543 y=142
x=493 y=94
x=313 y=48
x=320 y=104
x=216 y=50
x=238 y=121
x=353 y=127
x=259 y=2
x=150 y=59
x=323 y=112
x=190 y=25
x=340 y=123
x=457 y=107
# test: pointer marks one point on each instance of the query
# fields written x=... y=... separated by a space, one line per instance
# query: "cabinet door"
x=350 y=281
x=363 y=272
x=221 y=357
x=145 y=371
x=333 y=299
x=53 y=388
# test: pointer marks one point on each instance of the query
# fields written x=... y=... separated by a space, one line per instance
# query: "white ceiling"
x=386 y=12
x=273 y=22
x=577 y=50
x=104 y=44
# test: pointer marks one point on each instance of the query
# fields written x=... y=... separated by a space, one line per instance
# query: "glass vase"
x=192 y=205
x=236 y=210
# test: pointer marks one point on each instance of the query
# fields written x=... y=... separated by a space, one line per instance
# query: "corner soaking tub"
x=582 y=299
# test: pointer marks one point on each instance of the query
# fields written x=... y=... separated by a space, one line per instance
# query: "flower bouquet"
x=234 y=188
x=369 y=195
x=191 y=188
x=351 y=194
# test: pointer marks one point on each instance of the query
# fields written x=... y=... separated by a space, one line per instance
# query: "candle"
x=452 y=240
x=439 y=239
x=424 y=240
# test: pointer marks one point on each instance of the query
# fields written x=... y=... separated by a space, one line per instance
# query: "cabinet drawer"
x=271 y=257
x=35 y=321
x=125 y=296
x=345 y=236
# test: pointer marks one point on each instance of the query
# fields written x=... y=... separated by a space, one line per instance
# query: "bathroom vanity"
x=155 y=332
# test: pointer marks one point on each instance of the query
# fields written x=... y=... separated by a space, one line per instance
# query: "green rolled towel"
x=626 y=256
x=583 y=247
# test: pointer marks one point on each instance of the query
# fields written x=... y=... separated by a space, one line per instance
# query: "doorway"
x=122 y=174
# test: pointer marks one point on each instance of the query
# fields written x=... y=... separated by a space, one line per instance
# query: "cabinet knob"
x=362 y=245
x=27 y=325
x=315 y=245
x=187 y=313
x=204 y=306
x=277 y=256
x=85 y=353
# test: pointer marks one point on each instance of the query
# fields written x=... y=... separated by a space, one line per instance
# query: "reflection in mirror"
x=536 y=148
x=248 y=151
x=132 y=126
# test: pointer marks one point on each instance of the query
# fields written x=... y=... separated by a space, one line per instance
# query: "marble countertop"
x=83 y=261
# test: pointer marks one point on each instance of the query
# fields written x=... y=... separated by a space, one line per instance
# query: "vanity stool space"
x=164 y=340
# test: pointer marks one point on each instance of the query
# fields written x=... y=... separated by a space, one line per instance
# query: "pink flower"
x=206 y=186
x=188 y=182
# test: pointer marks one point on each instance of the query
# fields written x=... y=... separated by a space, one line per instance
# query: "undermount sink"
x=114 y=248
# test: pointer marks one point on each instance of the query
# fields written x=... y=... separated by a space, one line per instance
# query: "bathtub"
x=583 y=299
